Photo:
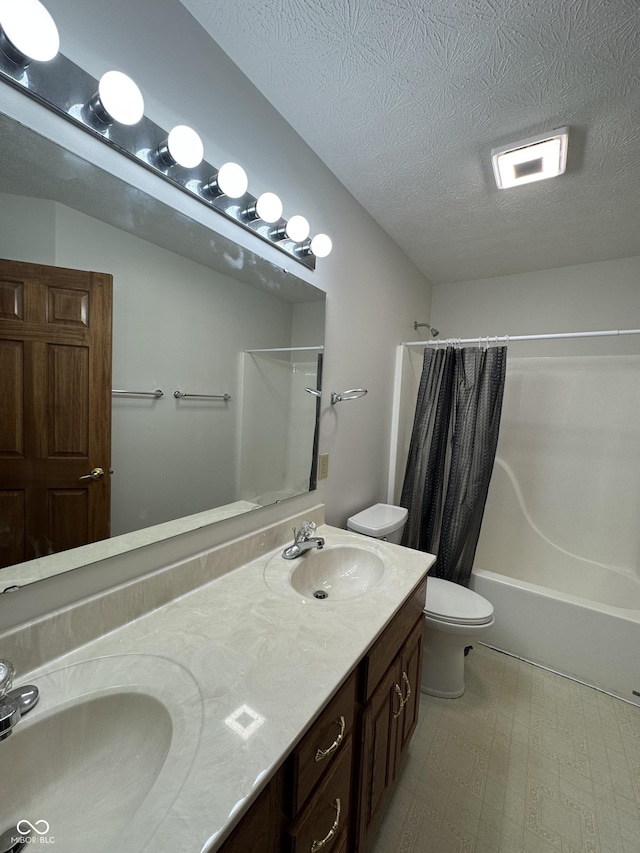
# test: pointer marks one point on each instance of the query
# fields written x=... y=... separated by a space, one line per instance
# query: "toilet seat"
x=451 y=603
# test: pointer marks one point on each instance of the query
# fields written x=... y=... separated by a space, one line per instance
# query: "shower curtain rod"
x=509 y=338
x=288 y=349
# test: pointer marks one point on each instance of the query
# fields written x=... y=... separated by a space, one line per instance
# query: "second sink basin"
x=98 y=762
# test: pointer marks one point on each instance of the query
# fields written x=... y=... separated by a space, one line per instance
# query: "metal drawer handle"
x=397 y=713
x=318 y=845
x=405 y=678
x=322 y=753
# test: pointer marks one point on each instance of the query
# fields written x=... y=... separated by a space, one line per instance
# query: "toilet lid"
x=378 y=520
x=451 y=602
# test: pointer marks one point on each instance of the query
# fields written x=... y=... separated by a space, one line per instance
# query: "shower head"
x=434 y=332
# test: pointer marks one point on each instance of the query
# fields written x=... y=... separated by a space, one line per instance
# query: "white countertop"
x=234 y=643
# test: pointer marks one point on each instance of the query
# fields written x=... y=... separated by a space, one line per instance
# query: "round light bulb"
x=321 y=245
x=30 y=29
x=185 y=146
x=297 y=228
x=232 y=180
x=269 y=207
x=120 y=98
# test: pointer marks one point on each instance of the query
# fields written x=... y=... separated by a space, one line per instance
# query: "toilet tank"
x=381 y=521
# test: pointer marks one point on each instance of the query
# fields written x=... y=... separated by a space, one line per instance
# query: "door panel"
x=55 y=416
x=68 y=405
x=12 y=421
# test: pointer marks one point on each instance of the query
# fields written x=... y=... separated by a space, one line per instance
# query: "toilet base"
x=444 y=656
x=443 y=664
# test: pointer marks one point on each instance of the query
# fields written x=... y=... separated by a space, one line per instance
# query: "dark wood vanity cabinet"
x=330 y=792
x=261 y=829
x=389 y=716
x=322 y=824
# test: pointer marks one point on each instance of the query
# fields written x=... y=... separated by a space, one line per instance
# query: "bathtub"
x=595 y=643
x=576 y=616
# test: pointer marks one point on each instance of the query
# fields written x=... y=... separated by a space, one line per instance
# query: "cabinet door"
x=259 y=831
x=410 y=672
x=379 y=734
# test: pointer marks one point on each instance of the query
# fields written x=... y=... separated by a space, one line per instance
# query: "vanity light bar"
x=72 y=93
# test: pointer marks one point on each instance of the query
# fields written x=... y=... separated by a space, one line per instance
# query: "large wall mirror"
x=192 y=312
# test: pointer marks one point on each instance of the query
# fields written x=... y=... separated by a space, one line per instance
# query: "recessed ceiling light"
x=534 y=159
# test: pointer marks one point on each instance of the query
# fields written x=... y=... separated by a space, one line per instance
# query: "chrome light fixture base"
x=68 y=90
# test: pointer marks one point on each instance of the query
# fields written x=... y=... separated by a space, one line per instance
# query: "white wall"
x=373 y=292
x=603 y=295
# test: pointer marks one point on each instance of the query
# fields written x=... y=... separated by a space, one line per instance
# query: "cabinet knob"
x=318 y=845
x=323 y=753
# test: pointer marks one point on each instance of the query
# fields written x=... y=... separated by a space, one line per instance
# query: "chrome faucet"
x=15 y=703
x=303 y=540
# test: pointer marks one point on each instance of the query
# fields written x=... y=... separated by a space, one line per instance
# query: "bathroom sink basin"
x=333 y=573
x=341 y=571
x=100 y=759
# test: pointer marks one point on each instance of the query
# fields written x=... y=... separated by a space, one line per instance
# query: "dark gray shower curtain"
x=451 y=455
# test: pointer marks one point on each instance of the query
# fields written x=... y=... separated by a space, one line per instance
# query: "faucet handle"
x=7 y=671
x=307 y=528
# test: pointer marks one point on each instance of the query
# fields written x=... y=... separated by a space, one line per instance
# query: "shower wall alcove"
x=559 y=548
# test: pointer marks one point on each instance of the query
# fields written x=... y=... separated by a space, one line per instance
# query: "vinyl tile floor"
x=526 y=761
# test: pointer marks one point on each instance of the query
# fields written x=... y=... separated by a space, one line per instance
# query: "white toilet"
x=455 y=617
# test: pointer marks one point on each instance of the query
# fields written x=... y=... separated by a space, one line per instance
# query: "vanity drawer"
x=384 y=650
x=322 y=744
x=327 y=814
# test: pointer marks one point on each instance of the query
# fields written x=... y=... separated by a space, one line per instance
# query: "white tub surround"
x=560 y=541
x=243 y=646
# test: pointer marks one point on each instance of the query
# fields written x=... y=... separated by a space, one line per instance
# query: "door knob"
x=96 y=474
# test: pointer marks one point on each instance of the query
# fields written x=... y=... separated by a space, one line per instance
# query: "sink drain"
x=12 y=841
x=319 y=593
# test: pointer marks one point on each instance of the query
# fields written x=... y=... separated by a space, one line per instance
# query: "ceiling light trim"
x=534 y=159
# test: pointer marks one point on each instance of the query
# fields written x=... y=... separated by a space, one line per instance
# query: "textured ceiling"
x=404 y=100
